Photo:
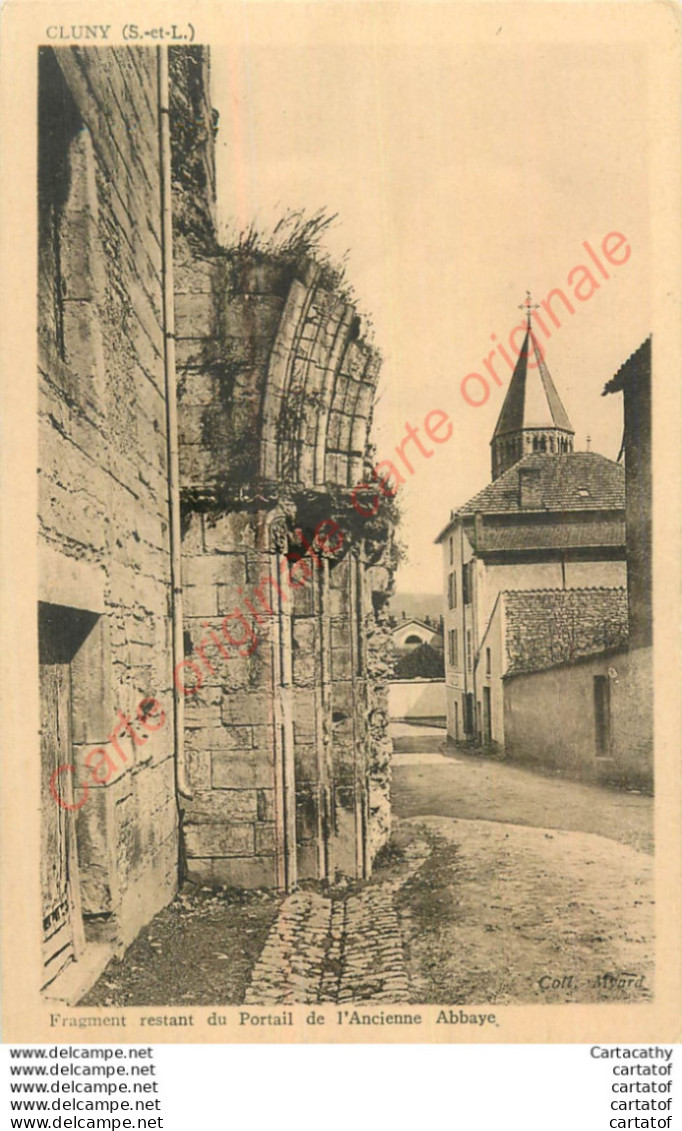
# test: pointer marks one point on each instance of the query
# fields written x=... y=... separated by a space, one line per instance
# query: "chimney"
x=530 y=488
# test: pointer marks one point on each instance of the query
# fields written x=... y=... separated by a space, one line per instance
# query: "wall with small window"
x=453 y=648
x=489 y=669
x=590 y=719
x=458 y=619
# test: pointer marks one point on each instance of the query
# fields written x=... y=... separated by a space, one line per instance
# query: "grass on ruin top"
x=297 y=236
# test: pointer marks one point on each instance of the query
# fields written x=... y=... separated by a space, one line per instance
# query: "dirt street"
x=468 y=785
x=537 y=888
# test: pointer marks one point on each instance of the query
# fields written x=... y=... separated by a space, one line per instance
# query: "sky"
x=468 y=161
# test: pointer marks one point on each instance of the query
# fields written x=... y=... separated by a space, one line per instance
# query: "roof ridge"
x=613 y=385
x=576 y=589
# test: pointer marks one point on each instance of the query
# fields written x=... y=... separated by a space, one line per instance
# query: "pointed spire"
x=532 y=419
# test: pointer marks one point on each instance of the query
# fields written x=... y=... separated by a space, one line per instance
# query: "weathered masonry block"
x=276 y=387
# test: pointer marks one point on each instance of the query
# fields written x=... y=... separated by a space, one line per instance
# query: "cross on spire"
x=529 y=306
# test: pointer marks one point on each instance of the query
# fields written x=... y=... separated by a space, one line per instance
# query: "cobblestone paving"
x=373 y=965
x=294 y=958
x=336 y=950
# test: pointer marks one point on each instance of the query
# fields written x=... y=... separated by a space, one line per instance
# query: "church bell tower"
x=532 y=419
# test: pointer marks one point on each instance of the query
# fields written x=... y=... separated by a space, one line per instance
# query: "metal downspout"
x=285 y=777
x=178 y=649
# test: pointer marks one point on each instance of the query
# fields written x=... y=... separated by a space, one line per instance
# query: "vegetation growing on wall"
x=296 y=237
x=193 y=126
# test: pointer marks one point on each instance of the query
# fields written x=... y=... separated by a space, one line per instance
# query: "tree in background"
x=424 y=662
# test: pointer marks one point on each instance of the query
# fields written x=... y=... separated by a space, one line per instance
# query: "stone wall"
x=276 y=389
x=226 y=324
x=193 y=124
x=103 y=503
x=286 y=737
x=633 y=379
x=274 y=385
x=379 y=638
x=229 y=721
x=545 y=627
x=282 y=680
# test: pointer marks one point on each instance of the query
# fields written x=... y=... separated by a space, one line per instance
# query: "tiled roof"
x=532 y=400
x=639 y=360
x=547 y=627
x=575 y=481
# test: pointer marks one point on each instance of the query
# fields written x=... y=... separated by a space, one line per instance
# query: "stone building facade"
x=551 y=522
x=532 y=630
x=551 y=519
x=256 y=752
x=547 y=586
x=594 y=716
x=409 y=634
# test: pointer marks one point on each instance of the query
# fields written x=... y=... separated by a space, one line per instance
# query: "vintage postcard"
x=341 y=522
